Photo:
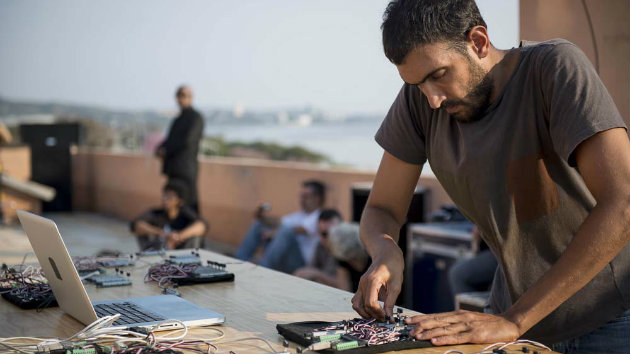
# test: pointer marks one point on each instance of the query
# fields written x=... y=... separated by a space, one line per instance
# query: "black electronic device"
x=31 y=297
x=25 y=288
x=51 y=160
x=148 y=253
x=118 y=262
x=415 y=213
x=88 y=265
x=187 y=270
x=356 y=336
x=205 y=274
x=184 y=259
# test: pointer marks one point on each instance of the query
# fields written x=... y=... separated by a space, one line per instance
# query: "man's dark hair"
x=181 y=89
x=318 y=188
x=328 y=214
x=179 y=187
x=408 y=24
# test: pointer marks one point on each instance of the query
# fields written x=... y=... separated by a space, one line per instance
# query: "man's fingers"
x=370 y=301
x=459 y=338
x=357 y=305
x=427 y=325
x=428 y=321
x=390 y=301
x=445 y=330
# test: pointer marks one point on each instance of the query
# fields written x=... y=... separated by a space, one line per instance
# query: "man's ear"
x=479 y=41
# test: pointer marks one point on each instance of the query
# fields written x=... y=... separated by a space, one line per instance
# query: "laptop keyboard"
x=129 y=313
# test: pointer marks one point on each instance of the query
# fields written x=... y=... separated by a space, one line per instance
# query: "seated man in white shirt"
x=294 y=242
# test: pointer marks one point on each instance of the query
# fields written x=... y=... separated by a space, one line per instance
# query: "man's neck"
x=502 y=65
x=172 y=213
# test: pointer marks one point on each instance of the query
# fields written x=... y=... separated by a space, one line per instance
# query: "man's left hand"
x=300 y=230
x=461 y=327
x=172 y=239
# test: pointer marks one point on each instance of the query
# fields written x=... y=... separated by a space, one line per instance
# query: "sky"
x=259 y=54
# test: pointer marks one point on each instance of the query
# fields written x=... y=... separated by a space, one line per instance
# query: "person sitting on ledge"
x=292 y=245
x=173 y=226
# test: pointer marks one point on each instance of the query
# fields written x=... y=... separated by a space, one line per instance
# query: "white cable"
x=101 y=331
x=26 y=338
x=13 y=348
x=89 y=275
x=502 y=345
x=526 y=341
x=156 y=328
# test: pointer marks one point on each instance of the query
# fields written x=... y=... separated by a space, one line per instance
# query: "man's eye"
x=438 y=75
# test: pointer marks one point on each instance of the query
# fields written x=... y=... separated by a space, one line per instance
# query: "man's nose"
x=434 y=96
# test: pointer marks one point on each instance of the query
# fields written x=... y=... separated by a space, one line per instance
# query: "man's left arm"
x=196 y=229
x=604 y=163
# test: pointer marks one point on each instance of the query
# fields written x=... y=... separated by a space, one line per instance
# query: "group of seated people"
x=313 y=243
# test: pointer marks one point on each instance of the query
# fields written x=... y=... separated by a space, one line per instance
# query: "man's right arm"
x=143 y=228
x=144 y=225
x=382 y=218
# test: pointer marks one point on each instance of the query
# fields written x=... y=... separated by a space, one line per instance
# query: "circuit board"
x=205 y=274
x=187 y=270
x=29 y=298
x=86 y=265
x=353 y=336
x=27 y=289
x=108 y=281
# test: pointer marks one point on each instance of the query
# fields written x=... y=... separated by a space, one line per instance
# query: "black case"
x=295 y=332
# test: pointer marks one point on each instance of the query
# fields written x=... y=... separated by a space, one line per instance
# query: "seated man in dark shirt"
x=173 y=226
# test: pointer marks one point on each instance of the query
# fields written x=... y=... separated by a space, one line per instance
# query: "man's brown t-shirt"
x=513 y=174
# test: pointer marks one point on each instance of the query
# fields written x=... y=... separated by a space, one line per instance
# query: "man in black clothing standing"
x=179 y=151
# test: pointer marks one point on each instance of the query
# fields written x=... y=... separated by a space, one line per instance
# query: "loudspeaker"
x=51 y=162
x=361 y=192
x=415 y=214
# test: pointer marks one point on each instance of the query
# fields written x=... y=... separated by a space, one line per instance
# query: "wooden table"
x=254 y=303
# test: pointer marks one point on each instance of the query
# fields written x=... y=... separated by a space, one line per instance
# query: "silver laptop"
x=73 y=299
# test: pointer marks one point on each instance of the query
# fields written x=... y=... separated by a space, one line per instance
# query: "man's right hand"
x=382 y=281
x=385 y=212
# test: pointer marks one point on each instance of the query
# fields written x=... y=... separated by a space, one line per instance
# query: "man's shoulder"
x=152 y=213
x=300 y=214
x=554 y=49
x=195 y=113
x=188 y=213
x=544 y=44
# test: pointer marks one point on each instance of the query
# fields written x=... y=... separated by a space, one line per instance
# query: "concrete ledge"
x=230 y=189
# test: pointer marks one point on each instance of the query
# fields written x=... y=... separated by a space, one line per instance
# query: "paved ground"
x=83 y=233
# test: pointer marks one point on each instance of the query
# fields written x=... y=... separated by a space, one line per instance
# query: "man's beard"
x=477 y=100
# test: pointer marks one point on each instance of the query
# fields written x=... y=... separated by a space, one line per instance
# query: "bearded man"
x=530 y=146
